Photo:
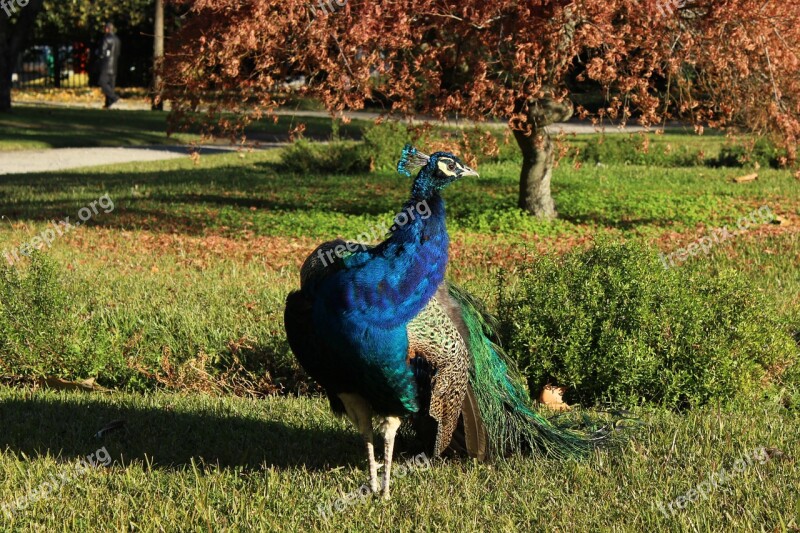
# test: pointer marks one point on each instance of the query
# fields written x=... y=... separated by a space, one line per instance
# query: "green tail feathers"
x=505 y=406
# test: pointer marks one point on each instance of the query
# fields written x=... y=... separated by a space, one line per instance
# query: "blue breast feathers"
x=362 y=309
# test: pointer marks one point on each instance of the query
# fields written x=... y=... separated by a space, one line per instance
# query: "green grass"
x=197 y=462
x=33 y=127
x=176 y=268
x=186 y=279
x=220 y=193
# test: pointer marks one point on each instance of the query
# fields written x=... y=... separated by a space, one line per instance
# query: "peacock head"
x=436 y=172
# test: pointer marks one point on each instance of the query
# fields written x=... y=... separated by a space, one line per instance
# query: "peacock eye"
x=451 y=166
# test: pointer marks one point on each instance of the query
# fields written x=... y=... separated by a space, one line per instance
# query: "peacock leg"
x=373 y=464
x=360 y=414
x=389 y=428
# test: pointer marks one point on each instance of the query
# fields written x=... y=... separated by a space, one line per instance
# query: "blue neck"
x=362 y=309
x=417 y=254
x=391 y=283
x=422 y=189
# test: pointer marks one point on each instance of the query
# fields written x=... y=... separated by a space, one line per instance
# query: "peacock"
x=388 y=338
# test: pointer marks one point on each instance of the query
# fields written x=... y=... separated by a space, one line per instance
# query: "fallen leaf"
x=552 y=397
x=51 y=382
x=775 y=453
x=745 y=179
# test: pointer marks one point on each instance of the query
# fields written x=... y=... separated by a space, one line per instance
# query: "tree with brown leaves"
x=715 y=63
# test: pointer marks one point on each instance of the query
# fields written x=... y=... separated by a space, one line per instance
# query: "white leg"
x=389 y=428
x=360 y=414
x=373 y=465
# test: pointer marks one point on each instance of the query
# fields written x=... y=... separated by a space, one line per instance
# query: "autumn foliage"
x=719 y=63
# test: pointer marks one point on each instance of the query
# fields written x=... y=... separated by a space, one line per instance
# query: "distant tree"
x=66 y=20
x=14 y=30
x=158 y=55
x=63 y=22
x=55 y=22
x=719 y=63
x=83 y=19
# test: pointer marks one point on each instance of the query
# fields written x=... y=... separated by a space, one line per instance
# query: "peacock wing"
x=329 y=257
x=434 y=336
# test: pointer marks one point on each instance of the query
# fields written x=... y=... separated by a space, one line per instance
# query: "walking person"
x=108 y=59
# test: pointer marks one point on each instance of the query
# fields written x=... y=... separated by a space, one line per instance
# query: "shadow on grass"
x=64 y=128
x=235 y=197
x=188 y=200
x=59 y=127
x=609 y=222
x=169 y=438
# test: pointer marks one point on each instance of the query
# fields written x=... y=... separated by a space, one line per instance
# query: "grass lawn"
x=197 y=462
x=174 y=299
x=30 y=128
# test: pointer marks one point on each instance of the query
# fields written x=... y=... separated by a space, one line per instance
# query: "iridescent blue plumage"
x=362 y=309
x=383 y=332
x=411 y=160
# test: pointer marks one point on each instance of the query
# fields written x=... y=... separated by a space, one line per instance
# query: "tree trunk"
x=12 y=38
x=538 y=155
x=158 y=55
x=6 y=64
x=537 y=169
x=5 y=83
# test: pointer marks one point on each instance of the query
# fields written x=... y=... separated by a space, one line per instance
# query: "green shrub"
x=630 y=151
x=338 y=157
x=382 y=146
x=384 y=142
x=40 y=334
x=610 y=150
x=762 y=152
x=611 y=323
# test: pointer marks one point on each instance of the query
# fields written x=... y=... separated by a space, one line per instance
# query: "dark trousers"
x=107 y=82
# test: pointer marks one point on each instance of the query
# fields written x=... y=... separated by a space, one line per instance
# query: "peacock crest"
x=411 y=160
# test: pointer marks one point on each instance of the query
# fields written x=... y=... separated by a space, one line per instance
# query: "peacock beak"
x=468 y=172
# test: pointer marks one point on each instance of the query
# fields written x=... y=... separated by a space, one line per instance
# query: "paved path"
x=574 y=126
x=558 y=127
x=27 y=161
